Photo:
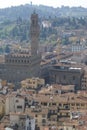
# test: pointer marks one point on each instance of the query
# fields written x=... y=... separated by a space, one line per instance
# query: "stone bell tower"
x=34 y=34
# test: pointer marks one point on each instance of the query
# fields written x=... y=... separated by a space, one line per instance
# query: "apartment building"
x=23 y=121
x=53 y=109
x=33 y=83
x=14 y=103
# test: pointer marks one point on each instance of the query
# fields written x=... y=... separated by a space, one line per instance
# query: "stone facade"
x=21 y=65
x=66 y=75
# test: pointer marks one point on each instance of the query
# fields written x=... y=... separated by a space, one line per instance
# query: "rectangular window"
x=20 y=107
x=54 y=104
x=36 y=115
x=17 y=100
x=43 y=115
x=72 y=104
x=64 y=77
x=73 y=77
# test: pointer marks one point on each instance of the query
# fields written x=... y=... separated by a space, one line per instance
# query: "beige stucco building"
x=33 y=83
x=23 y=121
x=2 y=109
x=14 y=103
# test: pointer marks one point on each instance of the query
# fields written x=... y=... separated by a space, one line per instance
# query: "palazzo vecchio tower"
x=19 y=66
